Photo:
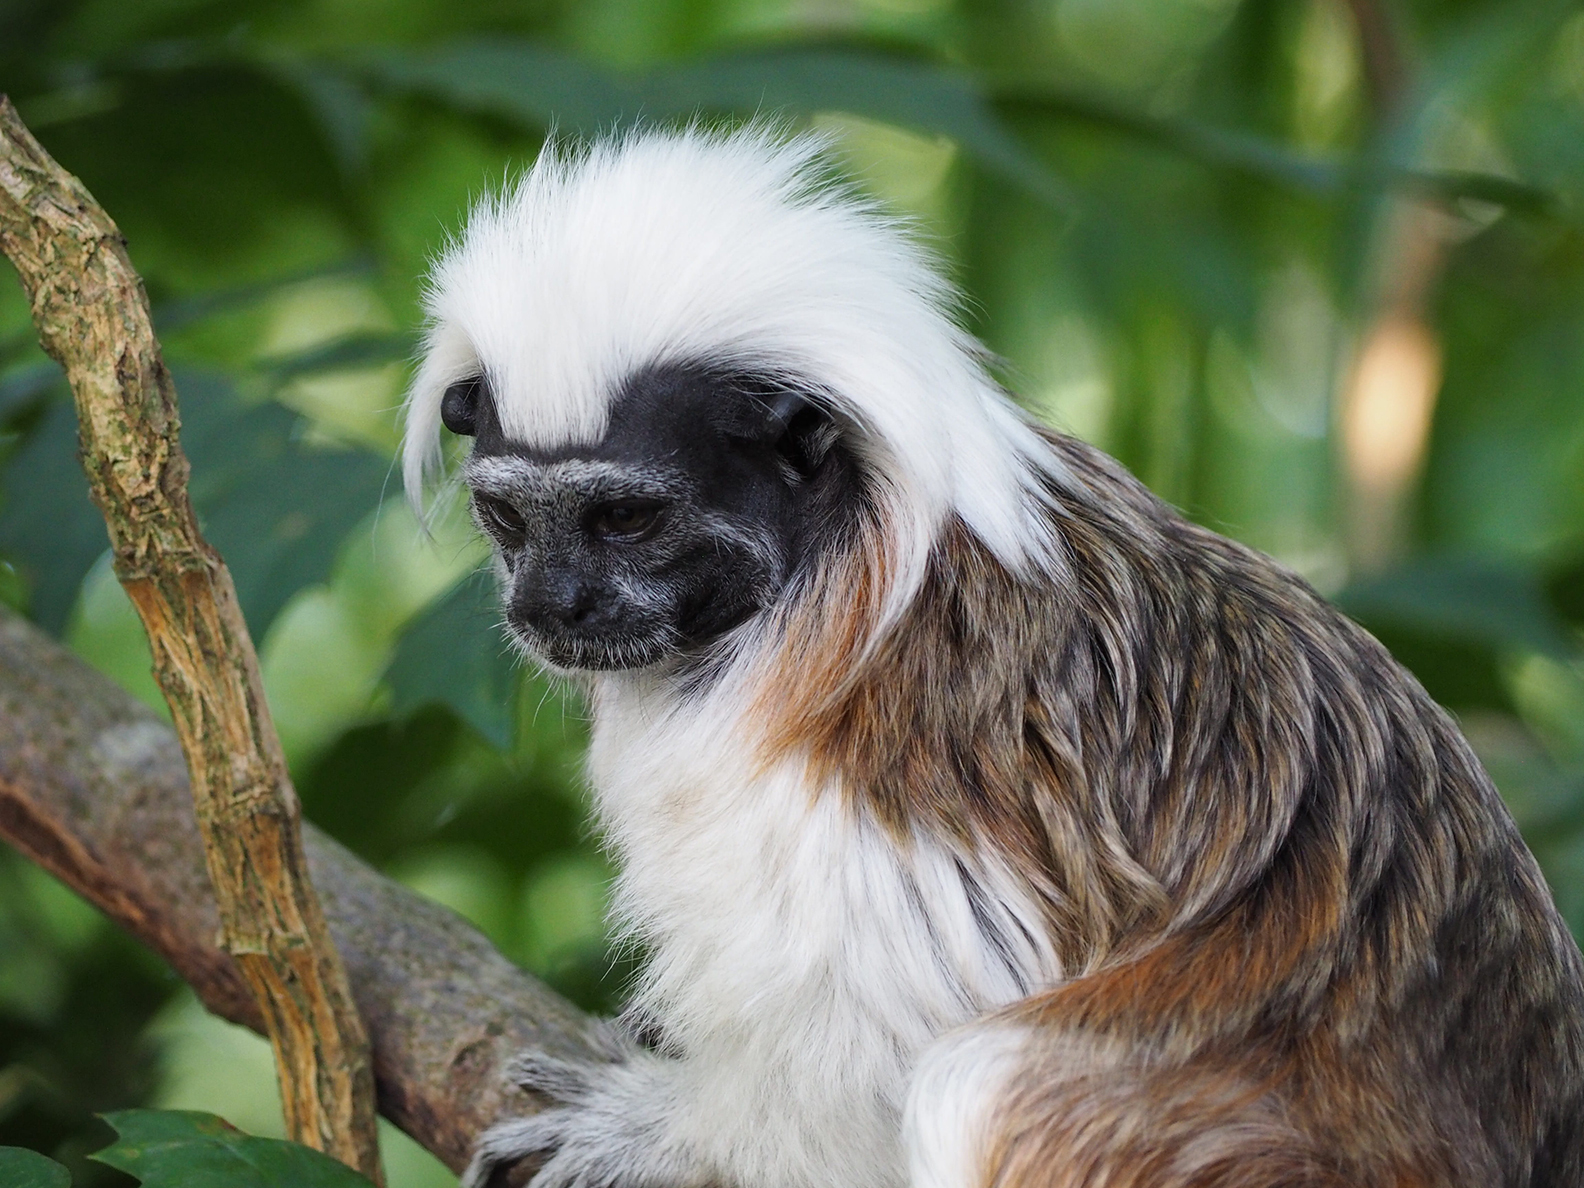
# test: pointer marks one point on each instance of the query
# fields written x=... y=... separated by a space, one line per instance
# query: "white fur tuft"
x=665 y=247
x=802 y=956
x=957 y=1091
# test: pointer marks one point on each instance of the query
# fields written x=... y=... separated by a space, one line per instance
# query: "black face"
x=710 y=492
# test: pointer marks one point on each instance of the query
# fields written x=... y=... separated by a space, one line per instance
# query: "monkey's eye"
x=501 y=519
x=631 y=519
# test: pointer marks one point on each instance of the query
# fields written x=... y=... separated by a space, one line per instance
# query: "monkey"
x=984 y=821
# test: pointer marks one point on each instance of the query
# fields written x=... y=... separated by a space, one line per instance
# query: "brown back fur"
x=1306 y=943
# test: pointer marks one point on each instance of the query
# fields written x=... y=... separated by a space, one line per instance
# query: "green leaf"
x=517 y=80
x=532 y=84
x=454 y=655
x=277 y=510
x=1566 y=589
x=283 y=527
x=910 y=94
x=187 y=1149
x=1476 y=599
x=21 y=1168
x=1261 y=156
x=12 y=345
x=342 y=107
x=347 y=353
x=48 y=526
x=185 y=311
x=25 y=385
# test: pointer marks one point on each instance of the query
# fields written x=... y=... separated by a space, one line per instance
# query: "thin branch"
x=93 y=788
x=92 y=316
x=1388 y=398
x=1262 y=157
x=1385 y=71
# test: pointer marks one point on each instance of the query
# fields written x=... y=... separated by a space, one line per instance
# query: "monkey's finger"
x=613 y=1039
x=563 y=1172
x=562 y=1080
x=513 y=1140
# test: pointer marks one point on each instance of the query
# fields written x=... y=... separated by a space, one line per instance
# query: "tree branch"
x=93 y=788
x=1385 y=70
x=93 y=318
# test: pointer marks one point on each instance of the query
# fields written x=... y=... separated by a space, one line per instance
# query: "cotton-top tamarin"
x=985 y=823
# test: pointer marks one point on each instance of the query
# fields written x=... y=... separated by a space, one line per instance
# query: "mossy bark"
x=92 y=316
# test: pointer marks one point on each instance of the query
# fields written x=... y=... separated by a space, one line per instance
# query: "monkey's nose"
x=567 y=603
x=581 y=607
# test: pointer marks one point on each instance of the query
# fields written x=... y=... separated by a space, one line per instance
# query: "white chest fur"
x=801 y=955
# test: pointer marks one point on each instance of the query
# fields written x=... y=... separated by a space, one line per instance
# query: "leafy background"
x=1312 y=268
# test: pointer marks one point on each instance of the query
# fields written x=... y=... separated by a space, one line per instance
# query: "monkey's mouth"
x=601 y=652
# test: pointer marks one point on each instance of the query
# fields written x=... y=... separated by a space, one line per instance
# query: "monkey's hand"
x=608 y=1127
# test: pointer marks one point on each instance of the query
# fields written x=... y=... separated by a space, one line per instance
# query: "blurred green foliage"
x=1175 y=221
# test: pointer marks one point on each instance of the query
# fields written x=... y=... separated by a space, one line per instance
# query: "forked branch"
x=93 y=788
x=92 y=316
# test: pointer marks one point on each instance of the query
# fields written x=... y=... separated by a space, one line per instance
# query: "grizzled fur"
x=985 y=822
x=1306 y=943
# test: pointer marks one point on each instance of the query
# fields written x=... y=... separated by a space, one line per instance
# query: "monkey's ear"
x=782 y=407
x=459 y=406
x=771 y=413
x=798 y=428
x=809 y=434
x=759 y=410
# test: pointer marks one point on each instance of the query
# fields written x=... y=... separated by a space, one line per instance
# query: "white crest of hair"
x=737 y=249
x=801 y=958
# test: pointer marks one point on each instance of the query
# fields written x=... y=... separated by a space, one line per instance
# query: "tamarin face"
x=709 y=490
